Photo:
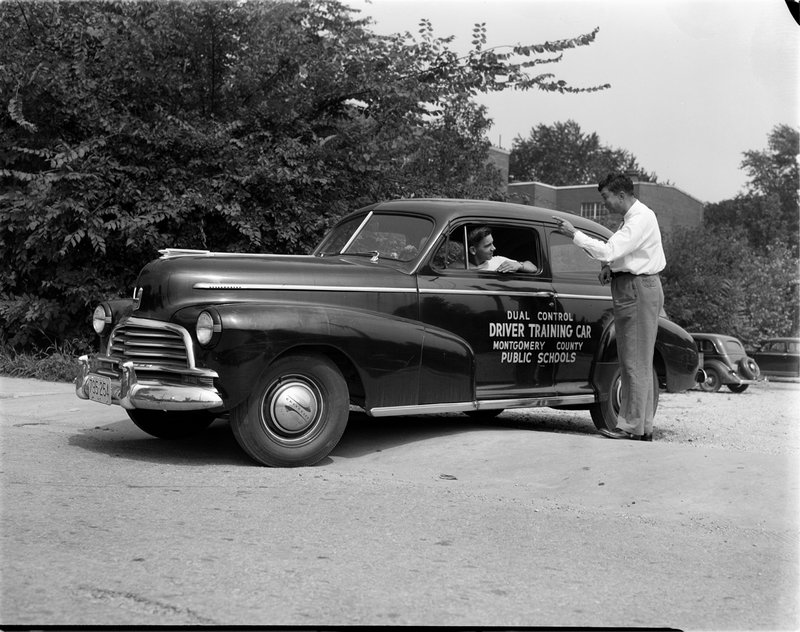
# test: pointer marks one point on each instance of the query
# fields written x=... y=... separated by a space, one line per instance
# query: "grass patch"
x=57 y=363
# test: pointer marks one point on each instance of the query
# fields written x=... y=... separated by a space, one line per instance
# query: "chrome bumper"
x=130 y=393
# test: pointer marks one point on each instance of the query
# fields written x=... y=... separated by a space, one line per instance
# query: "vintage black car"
x=726 y=362
x=779 y=357
x=385 y=315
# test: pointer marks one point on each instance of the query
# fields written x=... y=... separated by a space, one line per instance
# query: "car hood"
x=168 y=284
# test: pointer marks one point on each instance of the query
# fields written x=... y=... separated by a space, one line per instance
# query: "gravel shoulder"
x=765 y=418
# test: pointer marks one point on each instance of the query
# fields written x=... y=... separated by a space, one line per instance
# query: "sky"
x=694 y=83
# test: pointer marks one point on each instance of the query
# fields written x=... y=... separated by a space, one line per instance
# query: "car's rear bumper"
x=182 y=390
x=733 y=378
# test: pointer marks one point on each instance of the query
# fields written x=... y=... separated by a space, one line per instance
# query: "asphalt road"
x=524 y=521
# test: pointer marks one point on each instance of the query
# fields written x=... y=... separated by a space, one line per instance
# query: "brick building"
x=672 y=206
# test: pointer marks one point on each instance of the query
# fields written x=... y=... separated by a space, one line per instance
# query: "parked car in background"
x=726 y=362
x=387 y=314
x=779 y=357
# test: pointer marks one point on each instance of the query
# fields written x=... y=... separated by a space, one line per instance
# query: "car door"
x=584 y=305
x=771 y=358
x=792 y=358
x=495 y=313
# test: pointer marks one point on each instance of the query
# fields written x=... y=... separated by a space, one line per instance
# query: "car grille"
x=143 y=344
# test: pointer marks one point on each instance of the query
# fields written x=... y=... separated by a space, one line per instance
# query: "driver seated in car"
x=482 y=257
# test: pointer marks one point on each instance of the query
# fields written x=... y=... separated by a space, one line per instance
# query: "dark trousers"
x=638 y=300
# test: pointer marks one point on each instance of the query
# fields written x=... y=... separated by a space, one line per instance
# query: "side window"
x=566 y=259
x=707 y=347
x=510 y=241
x=793 y=347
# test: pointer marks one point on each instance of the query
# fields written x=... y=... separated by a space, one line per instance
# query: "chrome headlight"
x=101 y=319
x=208 y=327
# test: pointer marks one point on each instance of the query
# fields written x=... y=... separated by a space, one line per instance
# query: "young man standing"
x=632 y=259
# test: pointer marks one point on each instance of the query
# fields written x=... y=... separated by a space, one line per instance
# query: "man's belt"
x=615 y=274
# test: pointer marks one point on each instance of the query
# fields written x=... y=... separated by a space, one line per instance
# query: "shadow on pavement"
x=123 y=440
x=363 y=435
x=366 y=435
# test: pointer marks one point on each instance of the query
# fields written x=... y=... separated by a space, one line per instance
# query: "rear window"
x=734 y=347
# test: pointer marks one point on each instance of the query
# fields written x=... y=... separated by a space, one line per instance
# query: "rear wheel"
x=166 y=424
x=738 y=388
x=295 y=414
x=713 y=381
x=605 y=414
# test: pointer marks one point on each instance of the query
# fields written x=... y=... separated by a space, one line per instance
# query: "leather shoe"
x=621 y=434
x=647 y=436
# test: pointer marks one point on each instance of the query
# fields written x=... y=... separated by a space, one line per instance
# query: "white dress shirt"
x=492 y=264
x=635 y=247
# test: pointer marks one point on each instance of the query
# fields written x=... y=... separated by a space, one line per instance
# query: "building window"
x=593 y=210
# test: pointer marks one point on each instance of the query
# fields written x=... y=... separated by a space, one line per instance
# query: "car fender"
x=725 y=372
x=675 y=356
x=391 y=359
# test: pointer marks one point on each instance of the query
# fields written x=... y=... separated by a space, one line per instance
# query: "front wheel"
x=295 y=414
x=605 y=414
x=166 y=424
x=713 y=381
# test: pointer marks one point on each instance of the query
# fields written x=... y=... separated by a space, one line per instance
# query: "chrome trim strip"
x=536 y=402
x=489 y=404
x=596 y=297
x=356 y=232
x=171 y=253
x=290 y=286
x=392 y=290
x=487 y=292
x=424 y=409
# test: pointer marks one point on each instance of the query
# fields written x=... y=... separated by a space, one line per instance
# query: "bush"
x=128 y=127
x=57 y=363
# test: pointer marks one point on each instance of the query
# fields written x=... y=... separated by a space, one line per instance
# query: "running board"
x=484 y=404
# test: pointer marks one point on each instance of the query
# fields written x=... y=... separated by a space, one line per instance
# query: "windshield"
x=396 y=237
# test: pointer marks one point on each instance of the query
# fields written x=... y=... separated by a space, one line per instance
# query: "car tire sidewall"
x=713 y=381
x=605 y=414
x=737 y=388
x=254 y=428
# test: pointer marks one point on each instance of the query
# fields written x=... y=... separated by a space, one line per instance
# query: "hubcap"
x=291 y=407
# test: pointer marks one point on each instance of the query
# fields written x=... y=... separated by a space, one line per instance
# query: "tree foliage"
x=716 y=281
x=562 y=154
x=739 y=274
x=133 y=126
x=769 y=211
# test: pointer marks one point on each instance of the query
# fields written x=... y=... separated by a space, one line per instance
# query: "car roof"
x=443 y=210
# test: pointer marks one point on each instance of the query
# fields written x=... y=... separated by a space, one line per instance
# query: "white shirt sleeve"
x=635 y=247
x=623 y=242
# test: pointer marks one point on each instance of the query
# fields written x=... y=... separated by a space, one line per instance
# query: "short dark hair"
x=477 y=235
x=616 y=183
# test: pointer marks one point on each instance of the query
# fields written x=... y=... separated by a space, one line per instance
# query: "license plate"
x=98 y=388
